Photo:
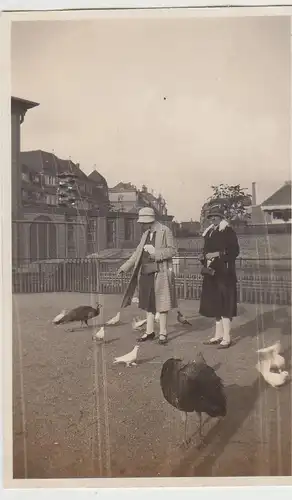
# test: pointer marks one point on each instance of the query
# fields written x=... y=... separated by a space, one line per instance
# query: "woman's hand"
x=120 y=271
x=150 y=249
x=212 y=255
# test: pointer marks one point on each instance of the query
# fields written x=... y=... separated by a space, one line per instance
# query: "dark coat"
x=219 y=292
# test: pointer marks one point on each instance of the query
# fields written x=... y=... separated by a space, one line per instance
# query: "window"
x=36 y=179
x=24 y=194
x=25 y=176
x=51 y=199
x=70 y=238
x=111 y=233
x=91 y=230
x=129 y=229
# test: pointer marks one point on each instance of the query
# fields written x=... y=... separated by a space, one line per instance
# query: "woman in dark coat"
x=219 y=289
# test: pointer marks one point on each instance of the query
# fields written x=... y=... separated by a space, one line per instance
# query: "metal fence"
x=258 y=282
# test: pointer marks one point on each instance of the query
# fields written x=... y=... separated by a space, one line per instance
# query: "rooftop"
x=24 y=104
x=281 y=197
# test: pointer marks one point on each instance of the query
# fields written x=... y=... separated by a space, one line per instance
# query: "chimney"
x=254 y=194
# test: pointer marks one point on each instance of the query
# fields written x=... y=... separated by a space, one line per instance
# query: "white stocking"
x=150 y=323
x=219 y=333
x=163 y=324
x=226 y=330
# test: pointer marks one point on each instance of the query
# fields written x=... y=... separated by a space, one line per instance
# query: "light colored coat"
x=165 y=249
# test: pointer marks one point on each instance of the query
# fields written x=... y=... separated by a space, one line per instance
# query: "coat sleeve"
x=129 y=264
x=232 y=246
x=169 y=251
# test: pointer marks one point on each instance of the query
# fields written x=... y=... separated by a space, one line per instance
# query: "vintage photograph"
x=151 y=246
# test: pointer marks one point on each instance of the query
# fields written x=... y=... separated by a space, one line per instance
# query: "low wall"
x=263 y=246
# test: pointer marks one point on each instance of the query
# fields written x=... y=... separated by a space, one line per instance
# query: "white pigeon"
x=274 y=379
x=114 y=320
x=272 y=353
x=99 y=335
x=130 y=358
x=138 y=323
x=157 y=316
x=59 y=316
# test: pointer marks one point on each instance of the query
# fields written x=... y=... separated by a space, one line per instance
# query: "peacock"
x=193 y=386
x=80 y=313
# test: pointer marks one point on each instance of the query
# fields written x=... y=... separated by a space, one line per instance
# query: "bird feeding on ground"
x=130 y=358
x=59 y=316
x=193 y=386
x=181 y=319
x=137 y=323
x=80 y=313
x=99 y=335
x=115 y=320
x=272 y=378
x=272 y=354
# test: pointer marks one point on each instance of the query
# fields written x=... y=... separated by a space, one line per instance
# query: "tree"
x=234 y=199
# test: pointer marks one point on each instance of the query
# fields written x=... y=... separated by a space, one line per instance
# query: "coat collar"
x=223 y=225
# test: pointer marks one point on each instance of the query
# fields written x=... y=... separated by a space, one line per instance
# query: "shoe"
x=162 y=339
x=212 y=342
x=146 y=336
x=224 y=346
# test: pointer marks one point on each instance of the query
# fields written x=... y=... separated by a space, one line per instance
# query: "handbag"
x=149 y=268
x=207 y=271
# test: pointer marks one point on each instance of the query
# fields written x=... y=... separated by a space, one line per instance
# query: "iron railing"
x=256 y=284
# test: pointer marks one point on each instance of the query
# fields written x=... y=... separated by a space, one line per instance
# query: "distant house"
x=125 y=197
x=40 y=171
x=187 y=229
x=278 y=206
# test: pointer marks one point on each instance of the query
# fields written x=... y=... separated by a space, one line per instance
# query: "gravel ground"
x=79 y=415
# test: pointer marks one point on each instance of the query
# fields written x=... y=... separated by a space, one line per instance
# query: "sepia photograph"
x=151 y=246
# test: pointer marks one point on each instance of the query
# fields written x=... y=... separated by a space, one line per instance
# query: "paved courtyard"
x=79 y=415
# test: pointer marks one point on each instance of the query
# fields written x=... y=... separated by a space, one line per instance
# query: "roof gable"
x=281 y=197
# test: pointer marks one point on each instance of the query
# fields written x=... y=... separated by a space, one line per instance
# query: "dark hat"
x=216 y=210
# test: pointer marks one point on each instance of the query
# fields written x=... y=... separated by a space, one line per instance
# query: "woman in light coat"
x=153 y=273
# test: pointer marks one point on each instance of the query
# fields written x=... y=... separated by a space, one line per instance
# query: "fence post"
x=185 y=284
x=98 y=276
x=64 y=276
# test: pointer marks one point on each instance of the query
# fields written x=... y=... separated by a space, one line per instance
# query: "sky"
x=176 y=104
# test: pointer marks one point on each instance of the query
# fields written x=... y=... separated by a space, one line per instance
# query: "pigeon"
x=130 y=358
x=99 y=335
x=181 y=319
x=114 y=320
x=138 y=323
x=60 y=316
x=272 y=354
x=274 y=379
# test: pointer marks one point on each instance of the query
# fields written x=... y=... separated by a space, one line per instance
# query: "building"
x=189 y=228
x=278 y=206
x=41 y=176
x=125 y=197
x=44 y=228
x=19 y=108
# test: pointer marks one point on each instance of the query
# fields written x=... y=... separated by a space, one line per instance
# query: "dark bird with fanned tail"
x=80 y=313
x=193 y=386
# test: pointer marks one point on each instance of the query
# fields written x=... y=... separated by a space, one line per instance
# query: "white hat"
x=146 y=215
